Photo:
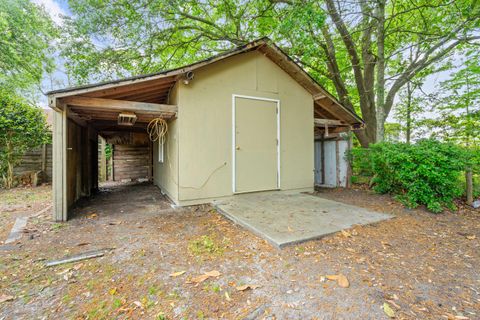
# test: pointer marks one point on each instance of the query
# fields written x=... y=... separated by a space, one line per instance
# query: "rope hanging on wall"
x=157 y=129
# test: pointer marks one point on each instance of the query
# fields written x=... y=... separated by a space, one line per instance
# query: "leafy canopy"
x=357 y=48
x=26 y=32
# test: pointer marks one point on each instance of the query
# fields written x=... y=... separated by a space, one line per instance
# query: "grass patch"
x=205 y=245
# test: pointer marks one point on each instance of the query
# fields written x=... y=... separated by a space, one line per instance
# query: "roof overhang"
x=155 y=88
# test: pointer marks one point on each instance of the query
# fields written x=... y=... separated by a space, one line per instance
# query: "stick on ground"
x=78 y=257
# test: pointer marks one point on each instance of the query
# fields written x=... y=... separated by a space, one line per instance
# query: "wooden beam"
x=329 y=122
x=118 y=105
x=319 y=96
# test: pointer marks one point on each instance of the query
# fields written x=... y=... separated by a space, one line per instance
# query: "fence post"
x=469 y=189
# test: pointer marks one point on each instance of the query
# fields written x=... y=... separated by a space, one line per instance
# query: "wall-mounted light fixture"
x=127 y=118
x=188 y=76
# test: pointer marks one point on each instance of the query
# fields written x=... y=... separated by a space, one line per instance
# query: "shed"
x=242 y=121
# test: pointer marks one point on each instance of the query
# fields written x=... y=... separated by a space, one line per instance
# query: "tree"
x=376 y=36
x=459 y=104
x=22 y=126
x=408 y=109
x=26 y=32
x=358 y=48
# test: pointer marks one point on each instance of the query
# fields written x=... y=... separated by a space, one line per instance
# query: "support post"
x=59 y=163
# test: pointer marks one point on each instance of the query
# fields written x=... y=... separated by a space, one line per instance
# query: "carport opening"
x=124 y=158
x=101 y=139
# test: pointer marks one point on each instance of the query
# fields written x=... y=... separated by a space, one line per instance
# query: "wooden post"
x=59 y=163
x=349 y=162
x=469 y=189
x=102 y=160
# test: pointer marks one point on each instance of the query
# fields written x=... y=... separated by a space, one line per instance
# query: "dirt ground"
x=415 y=266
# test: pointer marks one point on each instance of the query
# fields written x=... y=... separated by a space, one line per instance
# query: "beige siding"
x=165 y=175
x=204 y=126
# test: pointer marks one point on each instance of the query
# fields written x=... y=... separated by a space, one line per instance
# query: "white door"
x=256 y=140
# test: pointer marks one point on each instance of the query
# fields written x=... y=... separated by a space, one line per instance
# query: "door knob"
x=238 y=148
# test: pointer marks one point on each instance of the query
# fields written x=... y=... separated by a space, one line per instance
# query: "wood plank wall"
x=132 y=162
x=37 y=159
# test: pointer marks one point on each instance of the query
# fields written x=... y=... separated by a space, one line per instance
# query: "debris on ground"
x=78 y=257
x=5 y=298
x=423 y=265
x=340 y=278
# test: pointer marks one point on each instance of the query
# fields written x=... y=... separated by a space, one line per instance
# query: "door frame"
x=234 y=165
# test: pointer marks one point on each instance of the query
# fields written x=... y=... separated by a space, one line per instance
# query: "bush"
x=22 y=126
x=423 y=173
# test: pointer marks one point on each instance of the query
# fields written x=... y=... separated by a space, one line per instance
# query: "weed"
x=117 y=303
x=57 y=226
x=212 y=287
x=204 y=245
x=161 y=316
x=200 y=315
x=66 y=299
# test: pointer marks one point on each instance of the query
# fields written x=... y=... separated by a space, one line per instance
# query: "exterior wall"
x=82 y=161
x=132 y=162
x=205 y=126
x=165 y=175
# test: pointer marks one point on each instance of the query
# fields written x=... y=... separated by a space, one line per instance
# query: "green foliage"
x=427 y=172
x=22 y=126
x=204 y=245
x=26 y=32
x=458 y=108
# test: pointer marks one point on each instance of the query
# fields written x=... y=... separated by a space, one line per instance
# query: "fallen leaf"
x=340 y=278
x=227 y=296
x=176 y=274
x=213 y=273
x=112 y=291
x=81 y=244
x=343 y=281
x=248 y=286
x=388 y=310
x=394 y=304
x=200 y=278
x=346 y=234
x=203 y=277
x=472 y=237
x=4 y=298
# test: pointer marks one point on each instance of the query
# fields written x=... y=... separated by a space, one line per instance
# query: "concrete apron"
x=290 y=218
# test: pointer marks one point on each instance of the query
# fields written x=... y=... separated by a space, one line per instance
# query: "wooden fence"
x=38 y=159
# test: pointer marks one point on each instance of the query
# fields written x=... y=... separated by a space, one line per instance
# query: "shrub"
x=22 y=126
x=423 y=173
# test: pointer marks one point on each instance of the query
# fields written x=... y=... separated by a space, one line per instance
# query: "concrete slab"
x=17 y=230
x=289 y=218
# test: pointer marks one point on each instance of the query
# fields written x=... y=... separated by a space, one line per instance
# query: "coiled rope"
x=157 y=129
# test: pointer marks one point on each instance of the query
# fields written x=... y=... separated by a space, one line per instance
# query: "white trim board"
x=234 y=96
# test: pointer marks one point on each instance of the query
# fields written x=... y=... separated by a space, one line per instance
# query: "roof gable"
x=158 y=85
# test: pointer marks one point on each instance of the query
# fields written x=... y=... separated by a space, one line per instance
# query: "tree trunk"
x=380 y=83
x=408 y=126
